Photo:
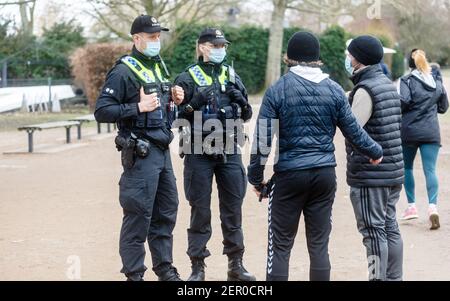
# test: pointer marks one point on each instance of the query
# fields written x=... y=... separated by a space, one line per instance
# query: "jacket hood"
x=314 y=75
x=427 y=80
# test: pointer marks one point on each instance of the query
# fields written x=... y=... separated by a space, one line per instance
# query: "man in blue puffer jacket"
x=307 y=106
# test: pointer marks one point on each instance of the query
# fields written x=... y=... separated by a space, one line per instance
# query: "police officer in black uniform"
x=138 y=97
x=214 y=92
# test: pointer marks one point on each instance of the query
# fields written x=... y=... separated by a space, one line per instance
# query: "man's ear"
x=356 y=64
x=136 y=38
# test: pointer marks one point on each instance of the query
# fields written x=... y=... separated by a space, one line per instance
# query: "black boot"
x=135 y=277
x=170 y=275
x=236 y=270
x=198 y=270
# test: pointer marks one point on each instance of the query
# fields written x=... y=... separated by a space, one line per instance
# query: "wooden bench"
x=87 y=119
x=30 y=129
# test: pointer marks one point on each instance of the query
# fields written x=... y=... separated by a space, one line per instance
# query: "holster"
x=127 y=148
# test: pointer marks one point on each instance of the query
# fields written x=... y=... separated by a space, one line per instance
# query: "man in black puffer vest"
x=375 y=190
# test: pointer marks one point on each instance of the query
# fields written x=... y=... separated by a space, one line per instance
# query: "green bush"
x=29 y=57
x=398 y=64
x=58 y=43
x=249 y=55
x=247 y=52
x=333 y=54
x=385 y=40
x=182 y=54
x=398 y=59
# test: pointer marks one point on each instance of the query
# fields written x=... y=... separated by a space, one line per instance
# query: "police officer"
x=215 y=93
x=140 y=99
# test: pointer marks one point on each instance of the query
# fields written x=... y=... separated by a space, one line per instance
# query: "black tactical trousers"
x=231 y=184
x=149 y=198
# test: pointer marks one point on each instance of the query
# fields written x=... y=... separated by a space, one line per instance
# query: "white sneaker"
x=434 y=218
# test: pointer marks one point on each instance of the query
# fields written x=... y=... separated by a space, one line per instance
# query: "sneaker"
x=434 y=218
x=410 y=213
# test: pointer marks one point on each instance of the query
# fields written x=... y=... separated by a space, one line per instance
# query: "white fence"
x=33 y=98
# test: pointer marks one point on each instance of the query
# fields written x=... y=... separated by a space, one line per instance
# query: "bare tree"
x=26 y=8
x=423 y=24
x=327 y=12
x=5 y=3
x=27 y=16
x=117 y=15
x=275 y=41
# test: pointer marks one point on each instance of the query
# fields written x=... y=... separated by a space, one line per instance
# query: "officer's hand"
x=247 y=113
x=376 y=162
x=202 y=98
x=236 y=96
x=177 y=95
x=148 y=103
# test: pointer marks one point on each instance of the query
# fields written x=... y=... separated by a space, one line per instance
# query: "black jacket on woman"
x=421 y=104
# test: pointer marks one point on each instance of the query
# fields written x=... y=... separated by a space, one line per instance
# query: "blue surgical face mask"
x=217 y=55
x=348 y=65
x=153 y=49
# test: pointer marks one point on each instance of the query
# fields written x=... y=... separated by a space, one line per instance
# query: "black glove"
x=202 y=98
x=236 y=96
x=247 y=113
x=264 y=190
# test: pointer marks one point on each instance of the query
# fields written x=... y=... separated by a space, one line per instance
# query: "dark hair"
x=292 y=63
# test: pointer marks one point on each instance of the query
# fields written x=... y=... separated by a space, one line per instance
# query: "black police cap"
x=148 y=24
x=212 y=35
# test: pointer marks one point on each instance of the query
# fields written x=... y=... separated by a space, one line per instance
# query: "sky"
x=49 y=11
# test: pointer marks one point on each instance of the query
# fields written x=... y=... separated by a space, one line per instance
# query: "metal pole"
x=79 y=131
x=30 y=141
x=5 y=74
x=68 y=134
x=50 y=93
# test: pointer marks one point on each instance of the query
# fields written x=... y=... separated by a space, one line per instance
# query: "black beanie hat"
x=303 y=47
x=412 y=63
x=367 y=50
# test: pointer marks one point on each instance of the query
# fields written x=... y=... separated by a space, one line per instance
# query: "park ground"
x=63 y=202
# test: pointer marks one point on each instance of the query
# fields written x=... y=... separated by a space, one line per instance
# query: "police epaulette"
x=189 y=67
x=119 y=61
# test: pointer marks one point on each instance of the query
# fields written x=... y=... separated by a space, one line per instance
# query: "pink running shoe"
x=410 y=213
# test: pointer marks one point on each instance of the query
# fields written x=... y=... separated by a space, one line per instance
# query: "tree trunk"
x=27 y=16
x=275 y=42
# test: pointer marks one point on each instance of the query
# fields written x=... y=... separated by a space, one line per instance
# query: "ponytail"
x=421 y=62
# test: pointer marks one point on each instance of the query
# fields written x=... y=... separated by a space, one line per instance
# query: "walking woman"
x=423 y=97
x=308 y=106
